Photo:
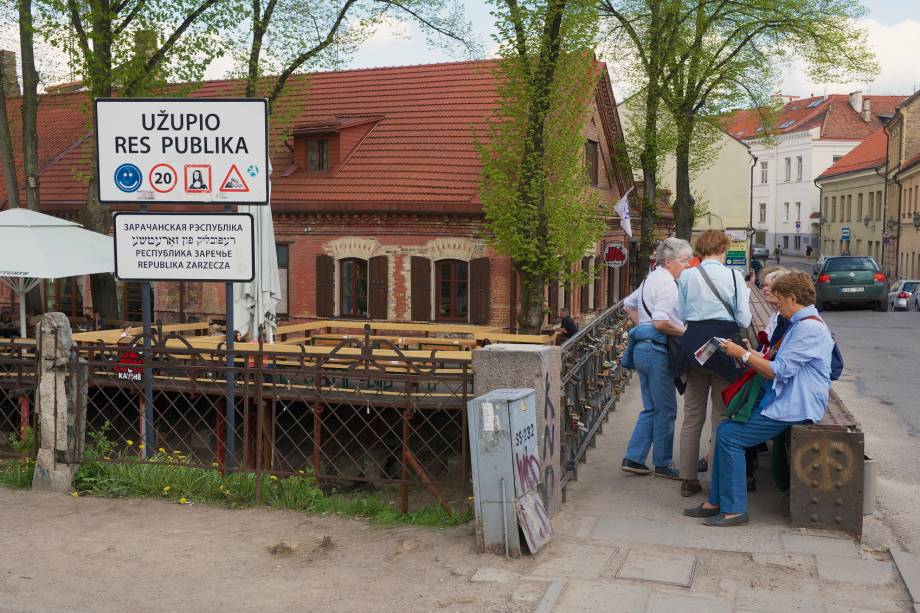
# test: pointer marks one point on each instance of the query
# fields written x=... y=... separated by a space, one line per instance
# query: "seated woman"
x=795 y=391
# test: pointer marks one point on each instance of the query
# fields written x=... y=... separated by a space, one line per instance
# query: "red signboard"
x=616 y=255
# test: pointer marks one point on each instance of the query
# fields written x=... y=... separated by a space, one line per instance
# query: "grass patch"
x=15 y=472
x=167 y=476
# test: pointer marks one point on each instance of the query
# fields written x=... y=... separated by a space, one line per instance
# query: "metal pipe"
x=230 y=402
x=505 y=518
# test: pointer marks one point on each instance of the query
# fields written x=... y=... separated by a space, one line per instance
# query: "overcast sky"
x=893 y=27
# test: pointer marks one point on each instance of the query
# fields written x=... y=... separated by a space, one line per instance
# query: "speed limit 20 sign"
x=163 y=178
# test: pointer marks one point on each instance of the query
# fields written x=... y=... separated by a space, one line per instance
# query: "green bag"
x=742 y=404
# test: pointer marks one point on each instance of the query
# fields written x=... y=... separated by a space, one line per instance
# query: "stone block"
x=537 y=367
x=668 y=603
x=771 y=602
x=824 y=545
x=52 y=476
x=488 y=574
x=593 y=596
x=658 y=567
x=854 y=570
x=576 y=561
x=909 y=568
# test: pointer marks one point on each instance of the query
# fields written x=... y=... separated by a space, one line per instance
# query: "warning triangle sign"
x=234 y=181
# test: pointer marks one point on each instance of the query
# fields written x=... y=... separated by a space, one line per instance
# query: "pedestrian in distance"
x=795 y=389
x=779 y=251
x=654 y=308
x=567 y=323
x=715 y=302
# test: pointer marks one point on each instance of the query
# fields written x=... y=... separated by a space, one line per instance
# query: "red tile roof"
x=415 y=137
x=869 y=154
x=832 y=114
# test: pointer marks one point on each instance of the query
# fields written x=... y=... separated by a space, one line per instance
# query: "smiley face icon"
x=128 y=178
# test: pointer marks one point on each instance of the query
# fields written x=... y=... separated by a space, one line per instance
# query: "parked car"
x=913 y=303
x=899 y=297
x=851 y=280
x=759 y=252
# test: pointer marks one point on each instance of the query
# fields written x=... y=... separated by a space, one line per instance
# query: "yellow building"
x=852 y=211
x=903 y=220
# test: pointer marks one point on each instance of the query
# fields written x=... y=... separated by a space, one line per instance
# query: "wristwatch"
x=746 y=357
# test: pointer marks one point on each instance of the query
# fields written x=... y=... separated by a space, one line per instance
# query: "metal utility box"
x=505 y=452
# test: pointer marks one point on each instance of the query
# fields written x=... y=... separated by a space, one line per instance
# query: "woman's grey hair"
x=773 y=275
x=673 y=248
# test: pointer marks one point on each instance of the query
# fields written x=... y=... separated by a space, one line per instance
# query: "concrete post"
x=537 y=367
x=60 y=405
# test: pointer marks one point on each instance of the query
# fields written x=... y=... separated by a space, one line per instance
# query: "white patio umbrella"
x=255 y=303
x=37 y=246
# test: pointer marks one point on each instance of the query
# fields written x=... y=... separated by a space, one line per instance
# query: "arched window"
x=452 y=294
x=353 y=287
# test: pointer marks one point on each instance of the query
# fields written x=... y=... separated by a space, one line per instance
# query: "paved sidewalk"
x=622 y=545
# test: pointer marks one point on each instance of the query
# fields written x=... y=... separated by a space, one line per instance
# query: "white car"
x=903 y=295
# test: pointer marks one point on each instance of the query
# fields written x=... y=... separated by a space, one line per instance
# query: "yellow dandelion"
x=140 y=445
x=273 y=478
x=301 y=472
x=183 y=500
x=161 y=450
x=129 y=442
x=166 y=488
x=75 y=494
x=214 y=464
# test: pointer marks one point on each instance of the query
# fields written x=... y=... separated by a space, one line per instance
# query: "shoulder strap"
x=642 y=298
x=712 y=286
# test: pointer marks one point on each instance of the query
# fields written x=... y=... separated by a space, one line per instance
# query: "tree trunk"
x=530 y=315
x=29 y=106
x=683 y=203
x=649 y=160
x=6 y=153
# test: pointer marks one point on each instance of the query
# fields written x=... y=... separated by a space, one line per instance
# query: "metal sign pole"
x=149 y=436
x=230 y=401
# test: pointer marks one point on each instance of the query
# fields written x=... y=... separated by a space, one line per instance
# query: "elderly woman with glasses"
x=796 y=385
x=654 y=308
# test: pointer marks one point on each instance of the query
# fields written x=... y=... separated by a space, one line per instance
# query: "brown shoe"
x=689 y=487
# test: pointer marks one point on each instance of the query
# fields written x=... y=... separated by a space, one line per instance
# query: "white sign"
x=737 y=235
x=184 y=247
x=186 y=151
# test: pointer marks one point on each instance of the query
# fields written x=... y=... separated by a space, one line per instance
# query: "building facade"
x=852 y=203
x=810 y=135
x=903 y=187
x=375 y=200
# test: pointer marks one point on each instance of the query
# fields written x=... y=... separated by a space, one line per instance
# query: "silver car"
x=902 y=293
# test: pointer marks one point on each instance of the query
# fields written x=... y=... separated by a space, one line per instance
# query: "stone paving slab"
x=629 y=530
x=575 y=560
x=826 y=545
x=658 y=567
x=909 y=570
x=850 y=570
x=765 y=601
x=785 y=560
x=668 y=603
x=489 y=574
x=596 y=596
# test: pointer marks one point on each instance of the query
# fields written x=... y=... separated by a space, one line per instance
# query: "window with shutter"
x=479 y=291
x=596 y=275
x=591 y=161
x=611 y=287
x=325 y=286
x=421 y=289
x=452 y=290
x=378 y=282
x=353 y=287
x=583 y=294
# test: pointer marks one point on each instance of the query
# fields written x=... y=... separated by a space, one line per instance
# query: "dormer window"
x=317 y=155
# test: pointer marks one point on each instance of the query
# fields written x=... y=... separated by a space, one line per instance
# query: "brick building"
x=374 y=196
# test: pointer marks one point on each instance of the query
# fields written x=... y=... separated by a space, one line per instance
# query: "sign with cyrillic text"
x=184 y=247
x=182 y=151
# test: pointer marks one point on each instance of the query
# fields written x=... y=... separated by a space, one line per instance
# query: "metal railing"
x=592 y=381
x=363 y=411
x=18 y=375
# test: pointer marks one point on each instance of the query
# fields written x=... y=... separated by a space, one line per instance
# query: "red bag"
x=729 y=392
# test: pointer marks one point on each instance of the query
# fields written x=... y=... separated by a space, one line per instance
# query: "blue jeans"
x=655 y=423
x=729 y=479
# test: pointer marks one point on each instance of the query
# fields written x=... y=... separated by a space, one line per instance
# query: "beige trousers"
x=703 y=387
